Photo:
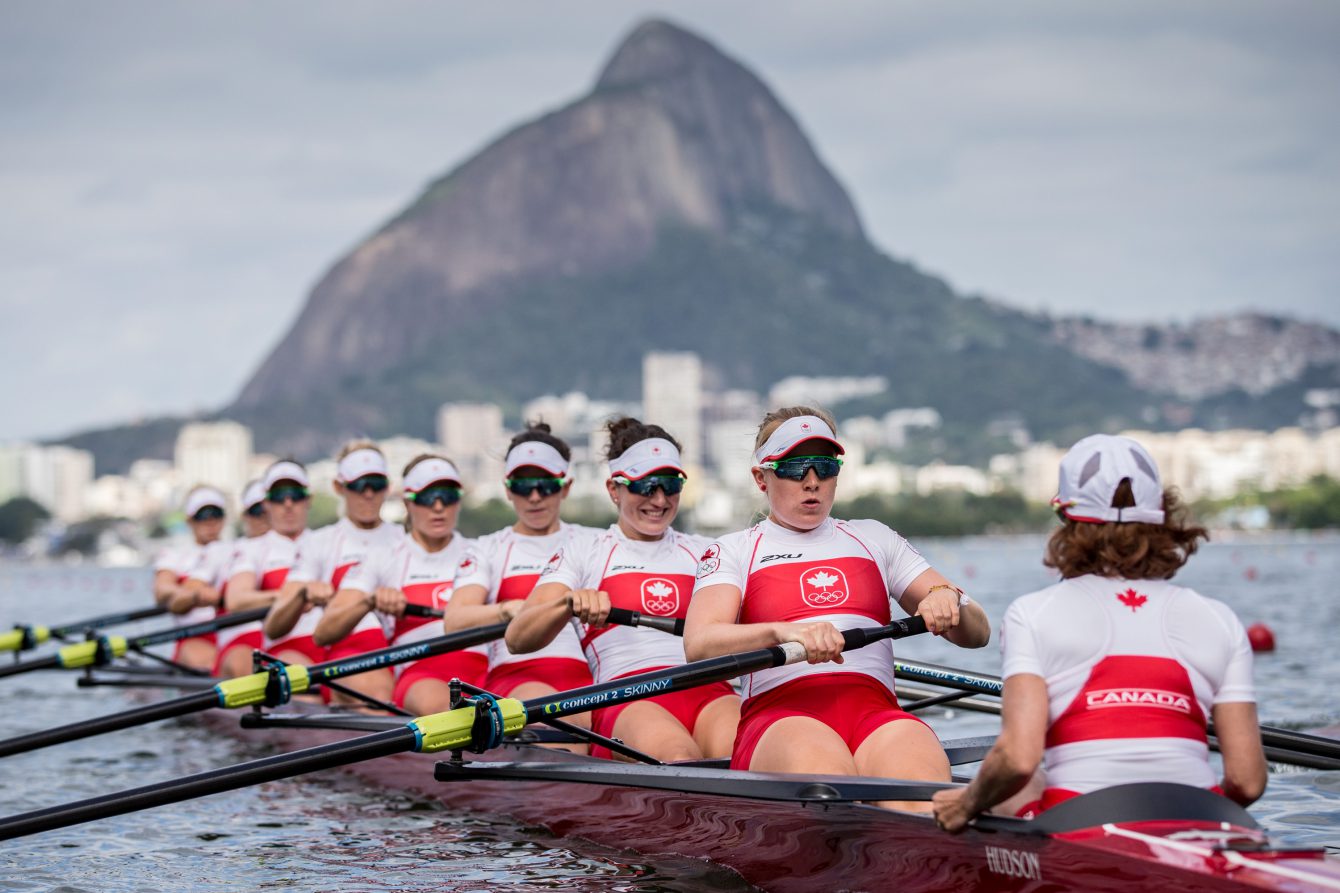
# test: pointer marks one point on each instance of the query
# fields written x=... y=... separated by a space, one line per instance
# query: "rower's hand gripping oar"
x=477 y=727
x=25 y=636
x=269 y=688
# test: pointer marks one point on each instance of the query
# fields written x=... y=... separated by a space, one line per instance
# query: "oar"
x=620 y=616
x=1282 y=745
x=479 y=726
x=99 y=651
x=24 y=636
x=269 y=688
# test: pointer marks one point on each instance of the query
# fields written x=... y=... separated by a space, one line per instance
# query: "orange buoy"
x=1261 y=637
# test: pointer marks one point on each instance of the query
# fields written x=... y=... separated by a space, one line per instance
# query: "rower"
x=1111 y=673
x=418 y=570
x=255 y=524
x=185 y=576
x=500 y=570
x=361 y=482
x=642 y=564
x=261 y=568
x=802 y=576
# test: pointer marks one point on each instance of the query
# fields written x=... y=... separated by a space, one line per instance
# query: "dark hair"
x=626 y=431
x=1130 y=550
x=539 y=432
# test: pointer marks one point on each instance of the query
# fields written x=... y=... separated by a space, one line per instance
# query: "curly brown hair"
x=1129 y=551
x=539 y=432
x=626 y=431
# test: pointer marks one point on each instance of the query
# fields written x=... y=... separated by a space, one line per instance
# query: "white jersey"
x=652 y=578
x=1132 y=668
x=508 y=565
x=192 y=561
x=270 y=557
x=328 y=554
x=425 y=578
x=847 y=573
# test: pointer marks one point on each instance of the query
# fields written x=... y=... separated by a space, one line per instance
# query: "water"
x=329 y=833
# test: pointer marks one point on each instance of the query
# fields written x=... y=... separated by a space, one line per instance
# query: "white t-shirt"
x=1132 y=668
x=847 y=573
x=270 y=557
x=329 y=553
x=192 y=561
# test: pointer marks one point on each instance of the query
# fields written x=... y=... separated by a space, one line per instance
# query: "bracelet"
x=962 y=597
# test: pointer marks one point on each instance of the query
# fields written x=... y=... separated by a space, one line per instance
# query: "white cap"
x=792 y=432
x=538 y=454
x=284 y=470
x=253 y=494
x=359 y=463
x=1091 y=473
x=430 y=471
x=646 y=456
x=204 y=496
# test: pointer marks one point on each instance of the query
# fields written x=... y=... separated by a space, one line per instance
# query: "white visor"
x=430 y=471
x=646 y=456
x=203 y=496
x=284 y=470
x=1091 y=473
x=792 y=432
x=253 y=494
x=360 y=463
x=540 y=455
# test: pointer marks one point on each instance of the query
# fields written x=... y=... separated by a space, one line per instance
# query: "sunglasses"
x=795 y=468
x=377 y=483
x=257 y=510
x=430 y=496
x=527 y=486
x=670 y=483
x=281 y=494
x=208 y=513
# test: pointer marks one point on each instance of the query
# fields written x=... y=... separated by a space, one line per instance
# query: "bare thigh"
x=653 y=729
x=236 y=662
x=802 y=744
x=197 y=654
x=527 y=690
x=903 y=749
x=714 y=732
x=428 y=696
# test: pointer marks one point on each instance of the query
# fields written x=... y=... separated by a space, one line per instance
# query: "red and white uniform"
x=192 y=561
x=508 y=565
x=652 y=578
x=327 y=555
x=1132 y=669
x=269 y=557
x=847 y=573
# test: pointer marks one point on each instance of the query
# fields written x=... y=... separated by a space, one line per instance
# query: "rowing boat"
x=791 y=833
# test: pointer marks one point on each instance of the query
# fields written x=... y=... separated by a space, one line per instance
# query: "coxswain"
x=640 y=564
x=500 y=569
x=1111 y=674
x=418 y=570
x=185 y=577
x=802 y=576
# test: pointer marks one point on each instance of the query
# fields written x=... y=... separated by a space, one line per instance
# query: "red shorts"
x=248 y=640
x=467 y=666
x=852 y=704
x=1053 y=796
x=559 y=673
x=209 y=640
x=684 y=706
x=304 y=645
x=361 y=642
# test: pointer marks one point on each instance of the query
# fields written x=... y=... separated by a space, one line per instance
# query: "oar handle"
x=422 y=611
x=624 y=617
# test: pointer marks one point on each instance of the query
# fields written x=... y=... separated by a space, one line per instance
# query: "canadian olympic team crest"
x=710 y=561
x=660 y=596
x=441 y=595
x=823 y=587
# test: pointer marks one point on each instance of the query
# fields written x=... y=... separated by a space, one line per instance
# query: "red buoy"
x=1261 y=637
x=1250 y=572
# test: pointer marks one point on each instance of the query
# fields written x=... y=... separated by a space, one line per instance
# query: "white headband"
x=203 y=496
x=538 y=454
x=359 y=463
x=430 y=471
x=792 y=432
x=253 y=494
x=284 y=470
x=646 y=456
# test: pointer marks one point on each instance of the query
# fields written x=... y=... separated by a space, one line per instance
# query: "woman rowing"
x=501 y=569
x=1111 y=673
x=361 y=481
x=262 y=566
x=642 y=564
x=255 y=524
x=184 y=577
x=801 y=576
x=418 y=570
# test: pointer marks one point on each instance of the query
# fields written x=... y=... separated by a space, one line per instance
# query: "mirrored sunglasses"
x=670 y=483
x=280 y=494
x=430 y=496
x=208 y=513
x=377 y=483
x=796 y=467
x=257 y=510
x=547 y=486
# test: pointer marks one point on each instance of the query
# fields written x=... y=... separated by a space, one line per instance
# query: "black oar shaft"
x=216 y=781
x=192 y=703
x=71 y=629
x=204 y=627
x=51 y=662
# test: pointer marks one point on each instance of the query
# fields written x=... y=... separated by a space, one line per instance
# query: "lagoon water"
x=327 y=833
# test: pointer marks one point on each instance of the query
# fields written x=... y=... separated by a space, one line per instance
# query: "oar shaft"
x=51 y=662
x=204 y=627
x=192 y=703
x=216 y=781
x=399 y=654
x=71 y=629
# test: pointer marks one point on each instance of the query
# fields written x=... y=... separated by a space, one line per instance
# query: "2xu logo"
x=660 y=596
x=824 y=587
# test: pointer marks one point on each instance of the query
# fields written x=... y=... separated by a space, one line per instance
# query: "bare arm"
x=242 y=594
x=1239 y=734
x=342 y=614
x=469 y=607
x=966 y=626
x=1012 y=760
x=166 y=588
x=284 y=613
x=711 y=629
x=544 y=613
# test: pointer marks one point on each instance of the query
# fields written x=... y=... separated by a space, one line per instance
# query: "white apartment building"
x=214 y=453
x=58 y=477
x=672 y=397
x=473 y=437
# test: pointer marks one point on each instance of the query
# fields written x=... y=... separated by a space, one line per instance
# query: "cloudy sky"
x=174 y=177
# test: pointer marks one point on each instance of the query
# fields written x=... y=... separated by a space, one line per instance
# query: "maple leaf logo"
x=1132 y=599
x=804 y=426
x=822 y=580
x=660 y=590
x=710 y=553
x=467 y=564
x=655 y=451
